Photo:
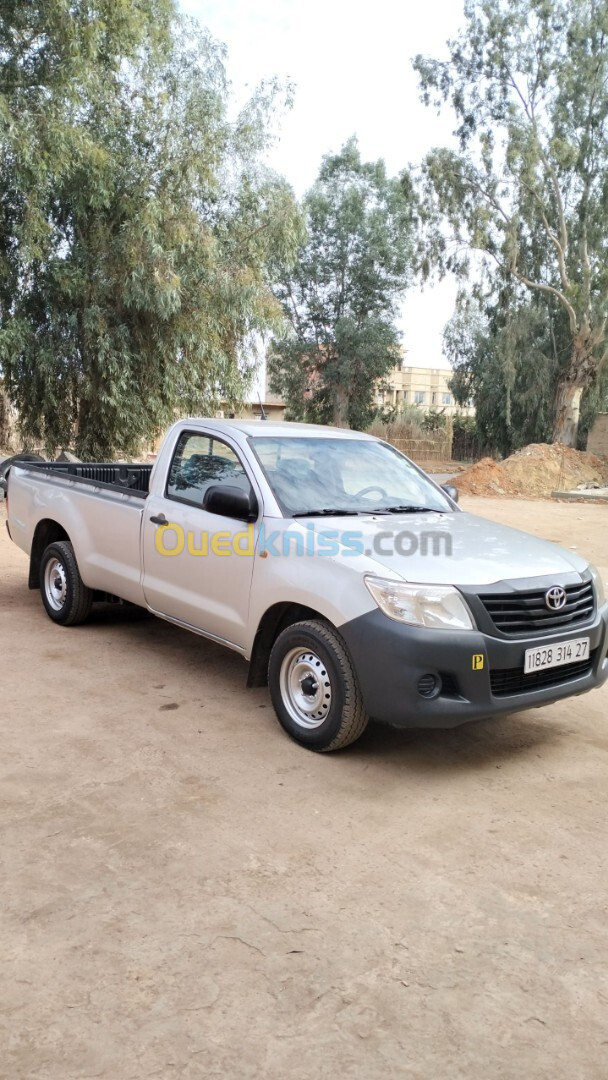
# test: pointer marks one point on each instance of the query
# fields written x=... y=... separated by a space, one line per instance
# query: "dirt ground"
x=188 y=894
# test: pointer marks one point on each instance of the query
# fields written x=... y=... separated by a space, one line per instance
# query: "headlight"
x=435 y=606
x=600 y=592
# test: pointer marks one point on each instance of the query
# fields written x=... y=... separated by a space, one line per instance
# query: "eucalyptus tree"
x=505 y=358
x=138 y=227
x=527 y=186
x=340 y=299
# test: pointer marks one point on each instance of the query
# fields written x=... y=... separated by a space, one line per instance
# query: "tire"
x=66 y=598
x=314 y=688
x=6 y=463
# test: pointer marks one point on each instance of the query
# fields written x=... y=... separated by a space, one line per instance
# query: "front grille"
x=519 y=613
x=507 y=681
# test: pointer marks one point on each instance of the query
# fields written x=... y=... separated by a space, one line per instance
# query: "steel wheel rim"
x=306 y=688
x=55 y=584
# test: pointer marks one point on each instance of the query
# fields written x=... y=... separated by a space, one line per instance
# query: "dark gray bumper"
x=390 y=658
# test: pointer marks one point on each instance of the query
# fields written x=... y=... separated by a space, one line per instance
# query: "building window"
x=419 y=397
x=433 y=398
x=447 y=399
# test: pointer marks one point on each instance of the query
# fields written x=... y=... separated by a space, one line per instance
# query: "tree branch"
x=561 y=255
x=492 y=200
x=561 y=216
x=294 y=307
x=529 y=111
x=549 y=290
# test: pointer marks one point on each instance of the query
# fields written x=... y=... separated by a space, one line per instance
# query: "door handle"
x=159 y=519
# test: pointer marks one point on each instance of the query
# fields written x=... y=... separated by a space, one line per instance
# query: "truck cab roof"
x=274 y=428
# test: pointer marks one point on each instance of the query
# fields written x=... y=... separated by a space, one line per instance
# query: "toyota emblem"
x=555 y=597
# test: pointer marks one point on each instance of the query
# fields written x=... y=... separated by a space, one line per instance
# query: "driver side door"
x=198 y=565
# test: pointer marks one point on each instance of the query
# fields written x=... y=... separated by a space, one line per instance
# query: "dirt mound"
x=487 y=477
x=535 y=470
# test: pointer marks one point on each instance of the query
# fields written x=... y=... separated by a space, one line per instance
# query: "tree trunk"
x=567 y=412
x=7 y=423
x=341 y=407
x=581 y=373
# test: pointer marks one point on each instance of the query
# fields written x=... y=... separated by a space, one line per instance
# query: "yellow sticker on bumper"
x=478 y=661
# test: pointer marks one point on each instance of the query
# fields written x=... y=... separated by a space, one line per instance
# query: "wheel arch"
x=47 y=531
x=274 y=620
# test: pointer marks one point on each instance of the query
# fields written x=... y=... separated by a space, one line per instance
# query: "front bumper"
x=390 y=658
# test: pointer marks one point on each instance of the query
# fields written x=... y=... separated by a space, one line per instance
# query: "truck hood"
x=450 y=549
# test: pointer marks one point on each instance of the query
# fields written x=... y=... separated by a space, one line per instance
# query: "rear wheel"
x=66 y=598
x=314 y=687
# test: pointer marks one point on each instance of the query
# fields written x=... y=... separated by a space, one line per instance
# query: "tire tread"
x=354 y=716
x=81 y=597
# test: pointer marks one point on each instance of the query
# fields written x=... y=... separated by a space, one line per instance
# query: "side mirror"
x=231 y=502
x=451 y=491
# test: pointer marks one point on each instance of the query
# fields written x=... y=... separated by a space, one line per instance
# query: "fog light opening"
x=429 y=685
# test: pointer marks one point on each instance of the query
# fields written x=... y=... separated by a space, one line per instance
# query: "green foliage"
x=409 y=429
x=401 y=426
x=508 y=358
x=340 y=298
x=467 y=444
x=463 y=422
x=138 y=230
x=6 y=421
x=434 y=421
x=406 y=413
x=528 y=186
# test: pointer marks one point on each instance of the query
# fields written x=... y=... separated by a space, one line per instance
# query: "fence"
x=431 y=448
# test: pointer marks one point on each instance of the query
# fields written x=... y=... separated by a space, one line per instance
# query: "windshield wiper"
x=328 y=511
x=408 y=510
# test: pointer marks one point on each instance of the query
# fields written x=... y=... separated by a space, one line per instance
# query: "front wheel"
x=314 y=687
x=66 y=598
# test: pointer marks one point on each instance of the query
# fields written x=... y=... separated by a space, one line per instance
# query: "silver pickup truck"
x=354 y=586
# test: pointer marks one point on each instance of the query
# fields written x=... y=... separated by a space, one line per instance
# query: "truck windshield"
x=318 y=475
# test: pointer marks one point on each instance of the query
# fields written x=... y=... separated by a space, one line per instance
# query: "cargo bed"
x=133 y=478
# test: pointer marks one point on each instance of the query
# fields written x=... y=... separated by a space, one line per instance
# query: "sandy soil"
x=188 y=894
x=535 y=471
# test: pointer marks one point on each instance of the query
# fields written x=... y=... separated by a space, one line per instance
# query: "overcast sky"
x=351 y=66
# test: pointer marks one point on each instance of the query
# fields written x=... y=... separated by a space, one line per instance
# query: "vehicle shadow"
x=473 y=745
x=117 y=613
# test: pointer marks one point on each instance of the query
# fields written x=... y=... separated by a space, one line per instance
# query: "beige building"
x=271 y=405
x=428 y=388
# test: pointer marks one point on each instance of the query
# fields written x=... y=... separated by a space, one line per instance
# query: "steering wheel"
x=366 y=491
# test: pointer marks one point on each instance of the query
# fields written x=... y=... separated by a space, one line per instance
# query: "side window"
x=199 y=462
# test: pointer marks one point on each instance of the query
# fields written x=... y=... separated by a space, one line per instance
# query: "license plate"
x=548 y=656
